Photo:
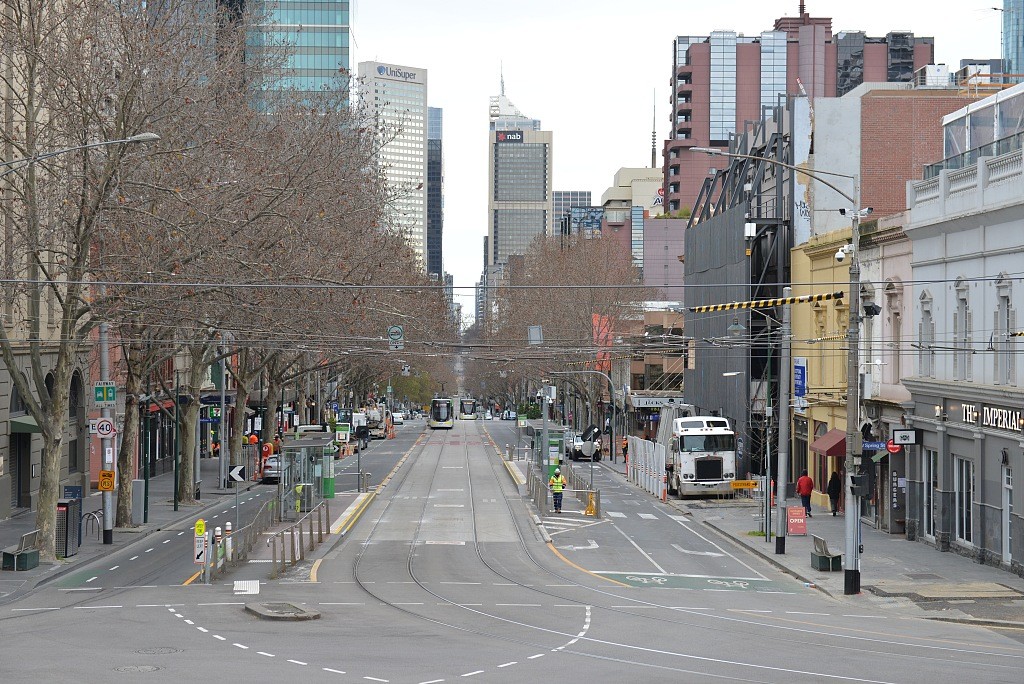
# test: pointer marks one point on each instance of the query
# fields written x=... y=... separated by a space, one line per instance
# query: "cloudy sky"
x=593 y=71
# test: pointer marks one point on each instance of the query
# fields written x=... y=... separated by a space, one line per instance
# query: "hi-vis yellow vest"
x=557 y=483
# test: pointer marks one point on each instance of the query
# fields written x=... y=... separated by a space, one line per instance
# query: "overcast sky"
x=592 y=71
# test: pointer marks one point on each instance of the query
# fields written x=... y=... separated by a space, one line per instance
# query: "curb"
x=980 y=622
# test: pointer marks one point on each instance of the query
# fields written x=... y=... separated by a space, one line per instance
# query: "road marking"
x=514 y=662
x=712 y=554
x=91 y=579
x=15 y=610
x=341 y=604
x=218 y=636
x=147 y=550
x=113 y=568
x=165 y=541
x=407 y=604
x=520 y=605
x=84 y=589
x=297 y=662
x=798 y=612
x=539 y=655
x=470 y=674
x=193 y=578
x=616 y=514
x=189 y=622
x=314 y=569
x=202 y=629
x=264 y=653
x=133 y=558
x=244 y=648
x=642 y=552
x=97 y=607
x=223 y=603
x=746 y=610
x=691 y=530
x=374 y=679
x=461 y=582
x=432 y=681
x=678 y=518
x=327 y=669
x=181 y=533
x=648 y=516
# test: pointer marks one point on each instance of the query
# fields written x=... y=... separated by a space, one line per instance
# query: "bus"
x=467 y=409
x=701 y=458
x=441 y=415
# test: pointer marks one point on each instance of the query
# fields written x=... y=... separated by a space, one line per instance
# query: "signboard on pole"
x=796 y=521
x=396 y=338
x=106 y=481
x=199 y=551
x=104 y=427
x=105 y=394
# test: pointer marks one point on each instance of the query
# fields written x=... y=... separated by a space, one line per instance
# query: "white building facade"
x=398 y=94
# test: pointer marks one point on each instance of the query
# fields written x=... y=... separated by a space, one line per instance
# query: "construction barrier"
x=646 y=467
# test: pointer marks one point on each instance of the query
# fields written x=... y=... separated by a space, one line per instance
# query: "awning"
x=24 y=425
x=165 y=404
x=832 y=443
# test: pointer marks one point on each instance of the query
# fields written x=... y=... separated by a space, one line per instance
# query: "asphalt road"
x=446 y=578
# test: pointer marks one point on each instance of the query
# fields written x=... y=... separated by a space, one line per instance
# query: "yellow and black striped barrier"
x=767 y=303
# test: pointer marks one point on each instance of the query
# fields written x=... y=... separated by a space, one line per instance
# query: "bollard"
x=320 y=524
x=218 y=547
x=273 y=562
x=664 y=488
x=228 y=550
x=291 y=531
x=302 y=546
x=312 y=539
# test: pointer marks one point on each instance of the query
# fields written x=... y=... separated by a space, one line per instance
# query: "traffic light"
x=859 y=485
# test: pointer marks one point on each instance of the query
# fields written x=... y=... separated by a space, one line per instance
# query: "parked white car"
x=398 y=418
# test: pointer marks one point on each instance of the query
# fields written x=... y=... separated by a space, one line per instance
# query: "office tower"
x=435 y=191
x=398 y=95
x=722 y=80
x=1013 y=39
x=561 y=202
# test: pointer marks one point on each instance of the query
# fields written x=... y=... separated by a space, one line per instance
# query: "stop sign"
x=892 y=447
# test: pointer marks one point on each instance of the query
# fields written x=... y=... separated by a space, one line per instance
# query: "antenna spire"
x=501 y=69
x=654 y=129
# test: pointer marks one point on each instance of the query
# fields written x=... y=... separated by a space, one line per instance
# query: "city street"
x=447 y=577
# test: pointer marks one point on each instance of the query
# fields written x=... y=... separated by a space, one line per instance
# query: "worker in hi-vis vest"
x=557 y=483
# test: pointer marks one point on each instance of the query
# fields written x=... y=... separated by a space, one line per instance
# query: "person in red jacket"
x=804 y=487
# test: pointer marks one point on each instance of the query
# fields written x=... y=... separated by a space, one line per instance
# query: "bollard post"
x=664 y=488
x=284 y=552
x=312 y=539
x=291 y=535
x=228 y=550
x=302 y=545
x=320 y=524
x=273 y=555
x=218 y=546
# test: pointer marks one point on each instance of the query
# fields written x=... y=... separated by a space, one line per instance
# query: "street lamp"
x=851 y=578
x=35 y=159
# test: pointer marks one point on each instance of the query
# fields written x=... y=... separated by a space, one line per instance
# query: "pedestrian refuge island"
x=542 y=464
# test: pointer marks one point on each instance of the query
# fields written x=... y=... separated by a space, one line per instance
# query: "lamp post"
x=851 y=578
x=35 y=159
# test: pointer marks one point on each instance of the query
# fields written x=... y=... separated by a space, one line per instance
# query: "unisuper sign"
x=394 y=72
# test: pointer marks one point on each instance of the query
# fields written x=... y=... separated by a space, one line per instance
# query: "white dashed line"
x=95 y=607
x=133 y=558
x=166 y=541
x=470 y=674
x=514 y=662
x=218 y=636
x=180 y=533
x=91 y=579
x=433 y=681
x=202 y=629
x=147 y=550
x=189 y=622
x=797 y=612
x=178 y=615
x=539 y=655
x=244 y=648
x=374 y=679
x=114 y=568
x=15 y=610
x=264 y=653
x=327 y=669
x=297 y=662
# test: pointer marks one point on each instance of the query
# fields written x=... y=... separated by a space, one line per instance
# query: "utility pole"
x=851 y=575
x=108 y=449
x=781 y=519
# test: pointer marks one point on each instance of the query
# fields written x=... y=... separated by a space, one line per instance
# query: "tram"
x=467 y=409
x=441 y=414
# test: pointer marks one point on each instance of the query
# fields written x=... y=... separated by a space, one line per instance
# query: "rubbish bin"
x=69 y=513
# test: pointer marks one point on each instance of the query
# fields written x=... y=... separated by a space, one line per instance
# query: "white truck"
x=700 y=452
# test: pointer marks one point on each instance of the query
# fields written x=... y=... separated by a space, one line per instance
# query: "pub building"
x=960 y=473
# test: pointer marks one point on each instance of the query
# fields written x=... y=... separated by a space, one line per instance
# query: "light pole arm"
x=29 y=161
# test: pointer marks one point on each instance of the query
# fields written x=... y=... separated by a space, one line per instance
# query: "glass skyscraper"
x=1013 y=39
x=435 y=191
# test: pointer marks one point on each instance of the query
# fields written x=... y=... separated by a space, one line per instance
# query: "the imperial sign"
x=992 y=417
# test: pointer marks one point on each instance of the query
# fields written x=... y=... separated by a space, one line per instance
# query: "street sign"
x=744 y=484
x=92 y=427
x=237 y=473
x=106 y=482
x=396 y=338
x=200 y=528
x=904 y=436
x=796 y=520
x=104 y=427
x=342 y=432
x=876 y=446
x=521 y=420
x=105 y=394
x=892 y=447
x=199 y=551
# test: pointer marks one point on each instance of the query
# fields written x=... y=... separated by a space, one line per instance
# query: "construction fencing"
x=646 y=466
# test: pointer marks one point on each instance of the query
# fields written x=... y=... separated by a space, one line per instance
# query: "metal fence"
x=291 y=544
x=540 y=492
x=235 y=546
x=647 y=466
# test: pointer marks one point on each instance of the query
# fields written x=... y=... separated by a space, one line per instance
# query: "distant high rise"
x=1013 y=38
x=561 y=202
x=435 y=191
x=722 y=80
x=398 y=94
x=317 y=36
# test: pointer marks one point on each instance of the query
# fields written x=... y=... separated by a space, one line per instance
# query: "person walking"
x=835 y=488
x=804 y=487
x=557 y=484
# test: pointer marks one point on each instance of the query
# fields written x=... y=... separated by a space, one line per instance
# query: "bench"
x=23 y=555
x=822 y=558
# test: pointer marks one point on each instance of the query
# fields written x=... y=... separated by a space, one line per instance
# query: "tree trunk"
x=129 y=447
x=270 y=422
x=188 y=421
x=238 y=421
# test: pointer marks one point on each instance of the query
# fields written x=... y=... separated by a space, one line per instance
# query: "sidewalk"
x=894 y=572
x=161 y=516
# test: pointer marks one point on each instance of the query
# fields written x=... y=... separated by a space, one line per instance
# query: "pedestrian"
x=557 y=483
x=835 y=488
x=804 y=487
x=625 y=450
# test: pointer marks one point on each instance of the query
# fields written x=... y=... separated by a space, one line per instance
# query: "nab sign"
x=508 y=136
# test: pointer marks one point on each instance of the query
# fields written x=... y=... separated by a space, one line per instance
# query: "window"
x=1004 y=326
x=926 y=337
x=819 y=472
x=964 y=493
x=894 y=306
x=929 y=487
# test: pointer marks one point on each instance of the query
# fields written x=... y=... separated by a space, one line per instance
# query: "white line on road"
x=691 y=530
x=539 y=655
x=297 y=662
x=374 y=679
x=341 y=604
x=432 y=681
x=189 y=622
x=90 y=579
x=519 y=605
x=218 y=636
x=746 y=610
x=461 y=582
x=95 y=607
x=15 y=610
x=514 y=662
x=133 y=558
x=244 y=648
x=642 y=552
x=202 y=629
x=166 y=541
x=470 y=674
x=114 y=568
x=84 y=589
x=798 y=612
x=181 y=533
x=616 y=514
x=648 y=516
x=264 y=653
x=147 y=550
x=178 y=615
x=327 y=669
x=223 y=603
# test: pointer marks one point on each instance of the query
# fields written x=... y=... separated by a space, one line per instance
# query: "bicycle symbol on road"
x=646 y=580
x=735 y=584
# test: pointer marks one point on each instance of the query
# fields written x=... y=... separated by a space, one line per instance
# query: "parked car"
x=271 y=470
x=398 y=418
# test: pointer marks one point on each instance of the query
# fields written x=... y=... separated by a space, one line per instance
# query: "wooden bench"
x=23 y=555
x=822 y=558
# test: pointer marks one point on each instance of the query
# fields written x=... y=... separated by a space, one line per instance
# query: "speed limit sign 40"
x=104 y=427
